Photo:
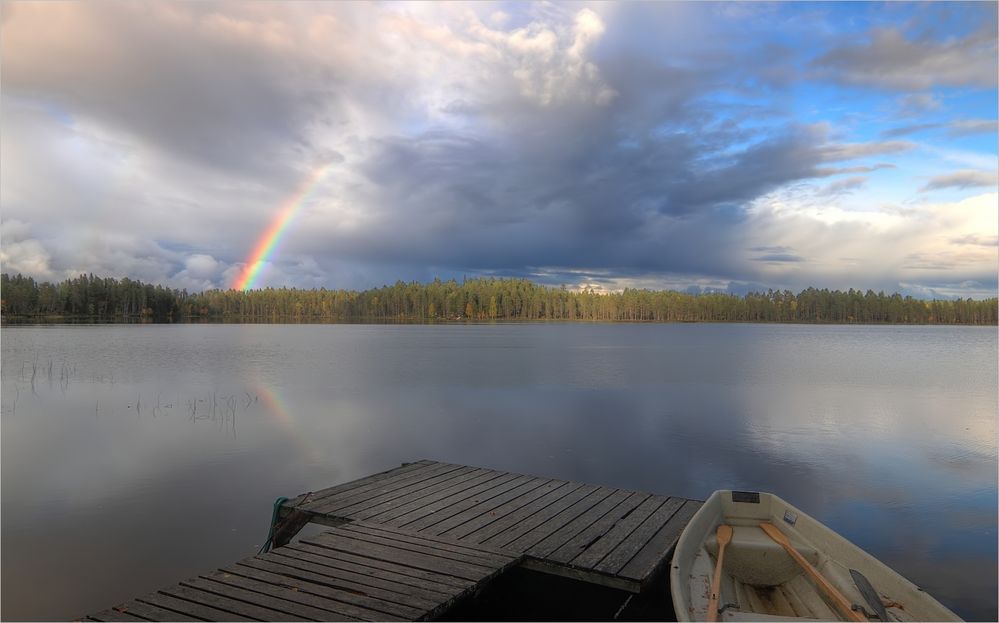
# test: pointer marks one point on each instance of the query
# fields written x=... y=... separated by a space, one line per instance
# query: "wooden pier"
x=409 y=543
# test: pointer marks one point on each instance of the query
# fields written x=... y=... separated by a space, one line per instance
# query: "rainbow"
x=275 y=407
x=268 y=241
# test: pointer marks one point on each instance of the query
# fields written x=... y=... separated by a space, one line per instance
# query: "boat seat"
x=754 y=558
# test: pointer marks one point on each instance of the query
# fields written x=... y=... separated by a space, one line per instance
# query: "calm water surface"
x=134 y=456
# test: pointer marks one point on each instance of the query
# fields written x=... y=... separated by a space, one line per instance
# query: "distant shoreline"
x=92 y=299
x=12 y=320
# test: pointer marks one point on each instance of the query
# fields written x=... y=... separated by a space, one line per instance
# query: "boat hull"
x=762 y=582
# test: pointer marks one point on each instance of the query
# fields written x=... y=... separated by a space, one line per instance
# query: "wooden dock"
x=408 y=543
x=357 y=572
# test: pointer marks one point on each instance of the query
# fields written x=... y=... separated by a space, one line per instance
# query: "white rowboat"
x=761 y=580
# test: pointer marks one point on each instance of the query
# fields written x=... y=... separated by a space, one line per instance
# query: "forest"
x=106 y=299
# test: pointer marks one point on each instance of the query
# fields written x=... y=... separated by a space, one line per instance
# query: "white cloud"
x=972 y=159
x=852 y=248
x=201 y=265
x=21 y=254
x=201 y=271
x=545 y=60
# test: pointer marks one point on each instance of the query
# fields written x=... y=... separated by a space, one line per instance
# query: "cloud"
x=232 y=96
x=977 y=240
x=201 y=265
x=956 y=128
x=943 y=290
x=559 y=142
x=889 y=60
x=591 y=207
x=878 y=249
x=779 y=257
x=546 y=60
x=967 y=127
x=968 y=178
x=21 y=254
x=840 y=187
x=772 y=249
x=910 y=129
x=913 y=104
x=825 y=172
x=852 y=151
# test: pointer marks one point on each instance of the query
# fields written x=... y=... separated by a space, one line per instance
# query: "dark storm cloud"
x=605 y=200
x=637 y=184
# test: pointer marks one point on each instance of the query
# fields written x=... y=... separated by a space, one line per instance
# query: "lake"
x=138 y=455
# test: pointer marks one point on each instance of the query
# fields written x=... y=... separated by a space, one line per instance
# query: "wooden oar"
x=724 y=535
x=841 y=602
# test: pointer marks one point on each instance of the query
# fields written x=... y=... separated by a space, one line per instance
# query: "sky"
x=693 y=146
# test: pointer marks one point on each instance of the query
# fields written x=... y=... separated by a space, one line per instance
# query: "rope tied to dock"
x=278 y=503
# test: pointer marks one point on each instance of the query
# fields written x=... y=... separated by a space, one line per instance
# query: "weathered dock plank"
x=410 y=542
x=492 y=555
x=587 y=538
x=185 y=610
x=400 y=574
x=142 y=611
x=554 y=523
x=356 y=572
x=420 y=559
x=512 y=519
x=472 y=527
x=385 y=589
x=241 y=603
x=470 y=510
x=557 y=538
x=647 y=560
x=440 y=496
x=610 y=536
x=313 y=497
x=114 y=615
x=309 y=597
x=383 y=489
x=552 y=512
x=432 y=510
x=424 y=488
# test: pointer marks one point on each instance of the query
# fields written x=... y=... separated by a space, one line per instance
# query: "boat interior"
x=761 y=582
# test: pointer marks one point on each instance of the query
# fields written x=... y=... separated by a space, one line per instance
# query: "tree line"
x=109 y=299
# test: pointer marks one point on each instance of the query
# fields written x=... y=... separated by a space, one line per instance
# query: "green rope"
x=274 y=517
